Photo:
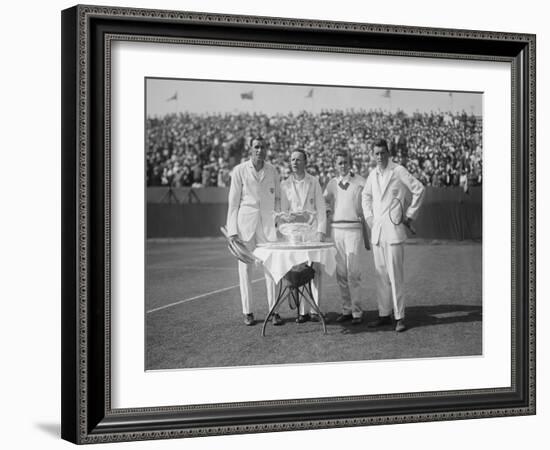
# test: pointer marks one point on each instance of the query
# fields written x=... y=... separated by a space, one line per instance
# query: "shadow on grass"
x=416 y=317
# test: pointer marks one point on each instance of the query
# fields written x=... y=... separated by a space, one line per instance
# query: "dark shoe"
x=249 y=319
x=302 y=318
x=381 y=321
x=400 y=325
x=314 y=317
x=344 y=318
x=277 y=320
x=356 y=320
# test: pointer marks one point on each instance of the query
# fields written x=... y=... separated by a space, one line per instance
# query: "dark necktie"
x=343 y=185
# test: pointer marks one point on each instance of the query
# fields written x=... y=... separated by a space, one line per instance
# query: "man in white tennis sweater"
x=343 y=195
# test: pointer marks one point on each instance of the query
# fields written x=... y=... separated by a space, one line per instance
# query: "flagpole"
x=387 y=94
x=176 y=98
x=311 y=97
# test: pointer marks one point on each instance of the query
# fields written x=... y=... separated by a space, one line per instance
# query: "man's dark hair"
x=380 y=143
x=299 y=150
x=343 y=154
x=253 y=138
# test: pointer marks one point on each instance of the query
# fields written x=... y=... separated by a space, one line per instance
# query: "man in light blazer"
x=302 y=192
x=254 y=195
x=386 y=186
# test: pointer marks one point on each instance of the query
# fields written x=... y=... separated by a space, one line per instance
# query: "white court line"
x=198 y=296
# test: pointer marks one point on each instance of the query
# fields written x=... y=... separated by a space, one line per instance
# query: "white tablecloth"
x=279 y=261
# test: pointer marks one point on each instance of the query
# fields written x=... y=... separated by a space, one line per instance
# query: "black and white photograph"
x=126 y=125
x=300 y=224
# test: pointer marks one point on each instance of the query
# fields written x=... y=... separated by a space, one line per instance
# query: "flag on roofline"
x=247 y=95
x=174 y=97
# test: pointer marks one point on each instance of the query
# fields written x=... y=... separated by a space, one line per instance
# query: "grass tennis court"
x=194 y=318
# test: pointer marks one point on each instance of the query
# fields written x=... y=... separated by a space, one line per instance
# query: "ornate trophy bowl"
x=295 y=233
x=296 y=227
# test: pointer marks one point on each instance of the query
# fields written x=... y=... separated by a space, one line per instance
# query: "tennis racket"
x=238 y=249
x=397 y=214
x=366 y=237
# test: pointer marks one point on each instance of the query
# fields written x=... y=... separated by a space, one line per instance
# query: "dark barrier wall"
x=185 y=220
x=447 y=213
x=187 y=195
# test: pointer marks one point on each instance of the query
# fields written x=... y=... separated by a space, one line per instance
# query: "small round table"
x=290 y=265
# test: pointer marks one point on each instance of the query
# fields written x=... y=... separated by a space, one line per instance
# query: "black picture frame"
x=87 y=415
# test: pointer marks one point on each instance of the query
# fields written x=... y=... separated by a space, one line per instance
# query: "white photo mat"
x=132 y=387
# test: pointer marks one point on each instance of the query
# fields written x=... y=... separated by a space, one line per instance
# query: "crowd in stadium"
x=439 y=149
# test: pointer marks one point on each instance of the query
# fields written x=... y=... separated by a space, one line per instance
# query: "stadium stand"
x=191 y=150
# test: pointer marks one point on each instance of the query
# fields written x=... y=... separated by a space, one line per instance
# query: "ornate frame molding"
x=86 y=421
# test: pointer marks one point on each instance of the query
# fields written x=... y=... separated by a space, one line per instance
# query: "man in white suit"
x=302 y=192
x=254 y=195
x=386 y=187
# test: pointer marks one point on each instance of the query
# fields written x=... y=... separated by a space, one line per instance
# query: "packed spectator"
x=439 y=149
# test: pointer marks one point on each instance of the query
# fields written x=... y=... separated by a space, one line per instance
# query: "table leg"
x=295 y=296
x=280 y=299
x=312 y=304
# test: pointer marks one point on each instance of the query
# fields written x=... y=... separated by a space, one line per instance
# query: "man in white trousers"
x=254 y=195
x=302 y=192
x=383 y=200
x=343 y=195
